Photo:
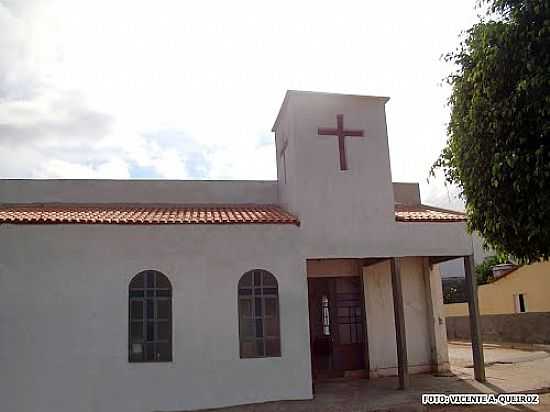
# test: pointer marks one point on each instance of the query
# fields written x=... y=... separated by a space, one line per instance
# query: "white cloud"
x=188 y=89
x=55 y=169
x=170 y=165
x=437 y=193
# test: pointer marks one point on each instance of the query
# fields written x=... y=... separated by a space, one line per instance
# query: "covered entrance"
x=357 y=317
x=337 y=332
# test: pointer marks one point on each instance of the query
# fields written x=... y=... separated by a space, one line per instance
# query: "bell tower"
x=333 y=169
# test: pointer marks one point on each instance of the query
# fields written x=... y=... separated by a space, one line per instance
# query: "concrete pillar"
x=399 y=313
x=475 y=324
x=436 y=318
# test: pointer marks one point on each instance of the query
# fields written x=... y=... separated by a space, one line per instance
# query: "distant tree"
x=484 y=271
x=498 y=148
x=453 y=290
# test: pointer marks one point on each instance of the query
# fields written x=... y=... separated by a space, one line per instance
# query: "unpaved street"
x=526 y=369
x=508 y=369
x=544 y=406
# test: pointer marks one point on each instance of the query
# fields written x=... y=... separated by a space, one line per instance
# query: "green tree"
x=483 y=271
x=498 y=148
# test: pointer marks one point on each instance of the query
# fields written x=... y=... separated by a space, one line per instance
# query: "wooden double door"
x=337 y=325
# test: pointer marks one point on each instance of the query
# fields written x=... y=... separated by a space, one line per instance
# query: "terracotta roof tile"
x=219 y=214
x=422 y=213
x=117 y=214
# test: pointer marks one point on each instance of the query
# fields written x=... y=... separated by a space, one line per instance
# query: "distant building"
x=515 y=307
x=524 y=289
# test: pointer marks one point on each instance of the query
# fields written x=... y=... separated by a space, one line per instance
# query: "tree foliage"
x=498 y=148
x=484 y=271
x=453 y=290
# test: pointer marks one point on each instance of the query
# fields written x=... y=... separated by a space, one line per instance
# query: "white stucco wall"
x=138 y=191
x=406 y=193
x=380 y=317
x=283 y=134
x=64 y=317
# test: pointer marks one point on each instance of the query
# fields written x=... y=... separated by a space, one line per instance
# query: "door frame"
x=363 y=314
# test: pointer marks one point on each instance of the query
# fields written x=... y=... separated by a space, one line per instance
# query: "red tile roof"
x=223 y=214
x=145 y=214
x=493 y=280
x=422 y=213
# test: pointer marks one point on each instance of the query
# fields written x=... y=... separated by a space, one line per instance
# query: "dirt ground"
x=460 y=354
x=543 y=406
x=508 y=370
x=521 y=369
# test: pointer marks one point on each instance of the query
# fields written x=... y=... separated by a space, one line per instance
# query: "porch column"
x=475 y=326
x=399 y=313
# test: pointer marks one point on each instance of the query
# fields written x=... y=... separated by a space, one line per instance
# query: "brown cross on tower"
x=341 y=133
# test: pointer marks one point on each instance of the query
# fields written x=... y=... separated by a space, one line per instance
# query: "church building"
x=151 y=295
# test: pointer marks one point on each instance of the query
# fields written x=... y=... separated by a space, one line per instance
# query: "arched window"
x=150 y=318
x=259 y=332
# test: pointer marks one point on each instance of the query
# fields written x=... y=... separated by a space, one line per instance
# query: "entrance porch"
x=375 y=317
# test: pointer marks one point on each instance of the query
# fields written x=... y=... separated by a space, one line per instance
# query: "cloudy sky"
x=189 y=90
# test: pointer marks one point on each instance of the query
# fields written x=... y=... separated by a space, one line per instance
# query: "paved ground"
x=508 y=370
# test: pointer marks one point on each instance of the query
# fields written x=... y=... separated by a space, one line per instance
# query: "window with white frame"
x=520 y=303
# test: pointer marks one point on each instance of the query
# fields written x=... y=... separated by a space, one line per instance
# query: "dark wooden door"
x=336 y=325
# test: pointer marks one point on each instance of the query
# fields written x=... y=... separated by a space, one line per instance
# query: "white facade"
x=64 y=287
x=64 y=317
